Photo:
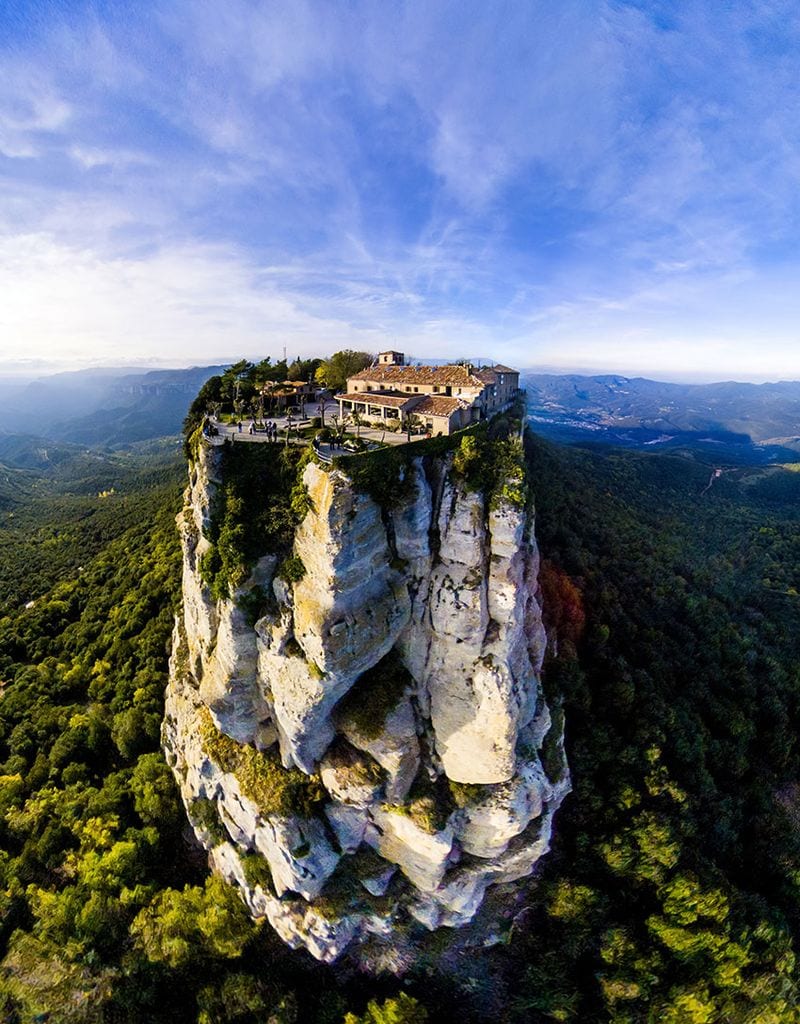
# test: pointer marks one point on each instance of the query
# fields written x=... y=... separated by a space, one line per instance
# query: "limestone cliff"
x=369 y=751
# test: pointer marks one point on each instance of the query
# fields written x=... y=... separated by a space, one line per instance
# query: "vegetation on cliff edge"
x=254 y=513
x=261 y=777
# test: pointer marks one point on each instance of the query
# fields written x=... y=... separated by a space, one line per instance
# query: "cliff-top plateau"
x=355 y=715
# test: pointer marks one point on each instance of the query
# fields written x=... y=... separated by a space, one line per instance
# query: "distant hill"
x=60 y=503
x=23 y=452
x=112 y=408
x=753 y=422
x=15 y=487
x=61 y=467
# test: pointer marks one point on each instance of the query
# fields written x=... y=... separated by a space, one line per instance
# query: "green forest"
x=672 y=891
x=61 y=504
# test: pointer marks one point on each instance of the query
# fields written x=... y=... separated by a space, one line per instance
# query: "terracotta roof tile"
x=438 y=405
x=377 y=398
x=425 y=405
x=442 y=375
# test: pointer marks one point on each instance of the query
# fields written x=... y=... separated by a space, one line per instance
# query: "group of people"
x=270 y=428
x=334 y=441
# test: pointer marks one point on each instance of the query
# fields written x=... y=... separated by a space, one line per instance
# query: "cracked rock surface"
x=392 y=692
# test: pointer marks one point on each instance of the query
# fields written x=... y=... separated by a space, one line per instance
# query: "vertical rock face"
x=374 y=753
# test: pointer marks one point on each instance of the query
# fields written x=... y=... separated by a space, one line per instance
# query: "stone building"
x=287 y=393
x=442 y=398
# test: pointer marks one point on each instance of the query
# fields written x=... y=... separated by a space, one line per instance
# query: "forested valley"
x=671 y=893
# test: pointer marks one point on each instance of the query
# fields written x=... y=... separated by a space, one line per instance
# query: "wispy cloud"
x=532 y=180
x=97 y=156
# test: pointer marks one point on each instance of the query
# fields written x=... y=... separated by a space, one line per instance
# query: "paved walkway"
x=232 y=431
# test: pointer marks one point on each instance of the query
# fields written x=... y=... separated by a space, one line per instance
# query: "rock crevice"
x=368 y=755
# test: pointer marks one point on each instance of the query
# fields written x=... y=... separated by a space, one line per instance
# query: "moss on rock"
x=375 y=694
x=203 y=813
x=261 y=776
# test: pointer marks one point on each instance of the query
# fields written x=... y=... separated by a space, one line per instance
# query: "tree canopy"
x=334 y=371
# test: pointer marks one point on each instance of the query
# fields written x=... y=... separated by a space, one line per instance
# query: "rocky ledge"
x=369 y=751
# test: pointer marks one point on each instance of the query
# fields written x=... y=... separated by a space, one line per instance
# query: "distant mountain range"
x=111 y=408
x=744 y=422
x=116 y=408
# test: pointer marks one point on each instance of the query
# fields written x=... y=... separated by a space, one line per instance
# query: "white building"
x=443 y=398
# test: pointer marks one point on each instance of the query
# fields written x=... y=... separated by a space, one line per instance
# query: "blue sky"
x=582 y=185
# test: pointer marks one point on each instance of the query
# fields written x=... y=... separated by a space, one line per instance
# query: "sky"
x=591 y=185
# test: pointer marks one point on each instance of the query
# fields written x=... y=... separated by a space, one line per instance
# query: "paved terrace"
x=230 y=431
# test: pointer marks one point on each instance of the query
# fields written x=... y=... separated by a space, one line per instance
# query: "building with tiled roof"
x=441 y=398
x=286 y=393
x=454 y=376
x=391 y=400
x=436 y=405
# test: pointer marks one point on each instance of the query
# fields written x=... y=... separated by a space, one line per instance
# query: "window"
x=416 y=389
x=436 y=389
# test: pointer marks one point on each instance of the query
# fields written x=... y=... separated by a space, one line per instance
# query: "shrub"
x=256 y=603
x=256 y=871
x=362 y=773
x=291 y=569
x=300 y=502
x=179 y=927
x=210 y=565
x=203 y=813
x=352 y=767
x=401 y=1009
x=426 y=812
x=261 y=777
x=377 y=692
x=551 y=754
x=429 y=803
x=256 y=512
x=509 y=483
x=467 y=459
x=466 y=794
